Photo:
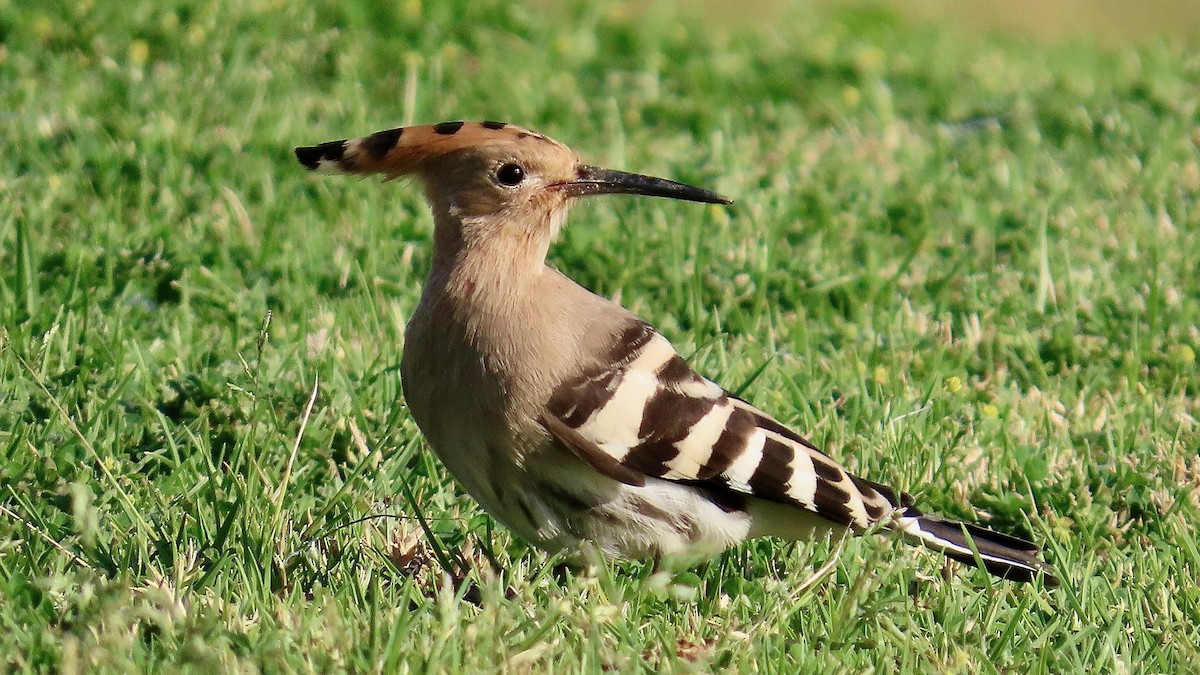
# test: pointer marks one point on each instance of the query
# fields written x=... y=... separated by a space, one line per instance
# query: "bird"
x=570 y=419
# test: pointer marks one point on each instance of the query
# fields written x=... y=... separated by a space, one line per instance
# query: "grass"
x=967 y=265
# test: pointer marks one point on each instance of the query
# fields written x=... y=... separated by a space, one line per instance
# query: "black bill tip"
x=596 y=181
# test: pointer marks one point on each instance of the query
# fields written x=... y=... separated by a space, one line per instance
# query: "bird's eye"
x=510 y=174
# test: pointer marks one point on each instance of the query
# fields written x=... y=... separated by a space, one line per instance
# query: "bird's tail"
x=1001 y=555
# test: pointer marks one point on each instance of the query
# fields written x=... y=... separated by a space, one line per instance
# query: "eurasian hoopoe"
x=569 y=418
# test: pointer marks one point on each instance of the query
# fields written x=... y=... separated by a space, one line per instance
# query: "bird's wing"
x=643 y=412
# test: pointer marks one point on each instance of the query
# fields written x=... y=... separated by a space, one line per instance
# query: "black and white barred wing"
x=647 y=414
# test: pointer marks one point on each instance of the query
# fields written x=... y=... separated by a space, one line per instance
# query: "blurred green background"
x=1108 y=22
x=962 y=258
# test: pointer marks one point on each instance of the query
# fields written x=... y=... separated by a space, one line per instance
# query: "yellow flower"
x=43 y=28
x=1183 y=355
x=139 y=51
x=870 y=59
x=954 y=384
x=880 y=375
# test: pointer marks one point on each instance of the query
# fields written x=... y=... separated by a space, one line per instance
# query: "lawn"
x=967 y=265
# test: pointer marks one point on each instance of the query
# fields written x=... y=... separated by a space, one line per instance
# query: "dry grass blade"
x=287 y=469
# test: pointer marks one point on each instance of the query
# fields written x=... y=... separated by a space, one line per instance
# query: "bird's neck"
x=485 y=266
x=497 y=301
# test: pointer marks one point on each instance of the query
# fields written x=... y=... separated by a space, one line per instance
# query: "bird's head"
x=488 y=179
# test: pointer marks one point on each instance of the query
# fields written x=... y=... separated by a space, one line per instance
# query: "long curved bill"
x=596 y=181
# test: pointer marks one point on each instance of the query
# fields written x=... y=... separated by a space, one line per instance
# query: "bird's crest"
x=400 y=151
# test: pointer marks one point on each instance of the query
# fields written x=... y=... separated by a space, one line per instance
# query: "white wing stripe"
x=747 y=461
x=697 y=447
x=857 y=508
x=700 y=388
x=653 y=355
x=803 y=484
x=615 y=426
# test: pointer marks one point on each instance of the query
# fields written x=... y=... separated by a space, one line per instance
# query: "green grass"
x=967 y=265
